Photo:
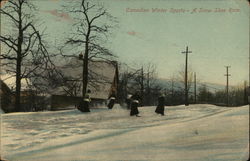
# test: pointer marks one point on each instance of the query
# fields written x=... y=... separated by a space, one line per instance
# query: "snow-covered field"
x=194 y=133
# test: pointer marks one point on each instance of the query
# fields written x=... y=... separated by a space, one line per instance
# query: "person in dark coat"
x=134 y=105
x=160 y=107
x=128 y=101
x=111 y=101
x=84 y=104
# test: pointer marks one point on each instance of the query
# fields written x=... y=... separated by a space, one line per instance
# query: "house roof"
x=4 y=88
x=10 y=81
x=101 y=77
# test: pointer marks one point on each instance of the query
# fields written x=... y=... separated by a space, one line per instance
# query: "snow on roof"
x=102 y=72
x=10 y=81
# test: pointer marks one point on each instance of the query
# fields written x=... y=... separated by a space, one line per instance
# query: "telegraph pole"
x=227 y=75
x=245 y=92
x=194 y=87
x=186 y=75
x=172 y=91
x=142 y=86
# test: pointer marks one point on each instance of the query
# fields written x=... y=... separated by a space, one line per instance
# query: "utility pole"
x=147 y=96
x=245 y=92
x=172 y=91
x=194 y=87
x=186 y=75
x=148 y=81
x=142 y=86
x=227 y=75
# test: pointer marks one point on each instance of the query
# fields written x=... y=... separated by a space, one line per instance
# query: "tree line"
x=144 y=79
x=238 y=96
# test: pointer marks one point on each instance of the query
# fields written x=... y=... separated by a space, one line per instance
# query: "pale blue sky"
x=216 y=39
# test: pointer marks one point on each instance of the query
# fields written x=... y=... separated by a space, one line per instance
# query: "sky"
x=158 y=31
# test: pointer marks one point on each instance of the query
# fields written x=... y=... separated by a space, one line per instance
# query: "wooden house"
x=5 y=97
x=103 y=81
x=8 y=86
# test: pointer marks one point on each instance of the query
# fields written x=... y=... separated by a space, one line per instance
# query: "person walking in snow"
x=128 y=101
x=134 y=104
x=84 y=104
x=111 y=101
x=160 y=107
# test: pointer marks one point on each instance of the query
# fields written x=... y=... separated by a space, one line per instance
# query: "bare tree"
x=126 y=75
x=181 y=78
x=90 y=32
x=150 y=76
x=205 y=96
x=141 y=79
x=23 y=51
x=149 y=87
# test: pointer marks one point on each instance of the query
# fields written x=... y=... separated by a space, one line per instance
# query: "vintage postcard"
x=124 y=80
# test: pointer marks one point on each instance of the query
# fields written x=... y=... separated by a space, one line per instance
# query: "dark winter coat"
x=160 y=107
x=134 y=105
x=84 y=104
x=111 y=101
x=135 y=97
x=128 y=101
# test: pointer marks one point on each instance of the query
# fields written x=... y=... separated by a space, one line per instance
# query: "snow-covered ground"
x=195 y=133
x=1 y=111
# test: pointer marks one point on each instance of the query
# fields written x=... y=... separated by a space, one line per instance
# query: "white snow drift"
x=195 y=133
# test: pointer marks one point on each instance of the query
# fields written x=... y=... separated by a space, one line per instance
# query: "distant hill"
x=167 y=84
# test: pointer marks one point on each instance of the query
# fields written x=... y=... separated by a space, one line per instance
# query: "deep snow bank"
x=196 y=132
x=1 y=111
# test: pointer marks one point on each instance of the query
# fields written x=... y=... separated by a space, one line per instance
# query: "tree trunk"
x=85 y=68
x=85 y=73
x=18 y=64
x=18 y=86
x=142 y=87
x=18 y=74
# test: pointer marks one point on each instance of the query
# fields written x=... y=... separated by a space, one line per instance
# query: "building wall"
x=59 y=102
x=114 y=86
x=6 y=101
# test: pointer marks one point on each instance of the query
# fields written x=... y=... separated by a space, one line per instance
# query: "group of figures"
x=132 y=102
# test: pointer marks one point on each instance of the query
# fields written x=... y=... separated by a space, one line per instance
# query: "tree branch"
x=7 y=57
x=8 y=42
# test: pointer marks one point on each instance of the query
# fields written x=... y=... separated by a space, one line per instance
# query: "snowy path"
x=196 y=132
